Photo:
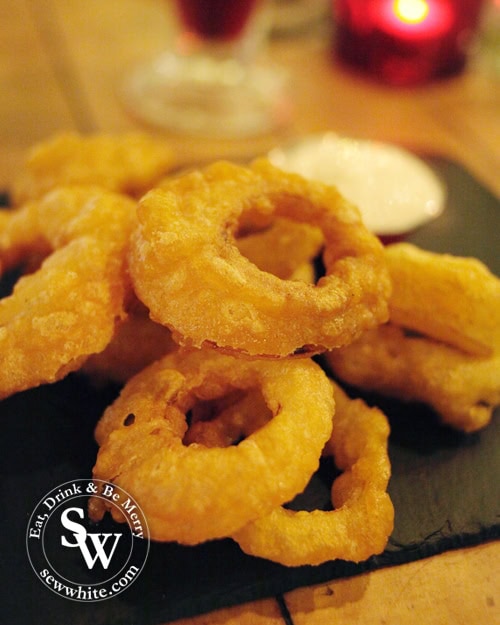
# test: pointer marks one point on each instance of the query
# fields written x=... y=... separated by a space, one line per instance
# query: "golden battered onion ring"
x=137 y=343
x=193 y=493
x=462 y=389
x=21 y=238
x=452 y=299
x=68 y=308
x=129 y=163
x=363 y=515
x=188 y=271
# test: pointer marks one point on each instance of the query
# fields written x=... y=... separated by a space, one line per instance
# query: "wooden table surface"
x=60 y=64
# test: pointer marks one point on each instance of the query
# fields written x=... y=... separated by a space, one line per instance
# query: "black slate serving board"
x=445 y=485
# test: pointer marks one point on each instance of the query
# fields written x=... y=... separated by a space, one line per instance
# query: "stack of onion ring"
x=202 y=298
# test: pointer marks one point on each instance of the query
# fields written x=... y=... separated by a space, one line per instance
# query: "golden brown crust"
x=452 y=299
x=192 y=493
x=67 y=309
x=463 y=389
x=363 y=517
x=129 y=163
x=188 y=271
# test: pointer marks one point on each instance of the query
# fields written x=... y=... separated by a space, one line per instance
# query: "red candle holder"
x=405 y=42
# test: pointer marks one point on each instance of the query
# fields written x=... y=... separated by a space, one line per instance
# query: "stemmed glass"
x=212 y=81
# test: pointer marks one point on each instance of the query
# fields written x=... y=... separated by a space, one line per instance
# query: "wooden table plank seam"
x=65 y=71
x=285 y=612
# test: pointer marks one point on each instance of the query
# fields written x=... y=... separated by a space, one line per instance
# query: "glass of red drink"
x=212 y=80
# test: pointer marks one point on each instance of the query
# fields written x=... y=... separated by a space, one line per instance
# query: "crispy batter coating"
x=463 y=389
x=363 y=515
x=188 y=271
x=21 y=238
x=449 y=298
x=192 y=493
x=130 y=163
x=68 y=308
x=137 y=343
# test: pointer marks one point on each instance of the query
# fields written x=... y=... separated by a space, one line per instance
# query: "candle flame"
x=411 y=11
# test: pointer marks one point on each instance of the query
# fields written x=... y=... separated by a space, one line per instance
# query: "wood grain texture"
x=459 y=587
x=32 y=105
x=264 y=612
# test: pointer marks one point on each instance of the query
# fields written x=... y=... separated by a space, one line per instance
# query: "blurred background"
x=63 y=63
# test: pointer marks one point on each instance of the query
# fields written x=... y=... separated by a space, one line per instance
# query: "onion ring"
x=191 y=493
x=21 y=238
x=129 y=163
x=67 y=309
x=363 y=517
x=461 y=388
x=452 y=299
x=137 y=343
x=187 y=269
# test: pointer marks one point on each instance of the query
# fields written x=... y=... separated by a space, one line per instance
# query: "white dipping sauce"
x=395 y=191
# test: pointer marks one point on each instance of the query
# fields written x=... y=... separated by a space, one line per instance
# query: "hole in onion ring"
x=227 y=420
x=287 y=249
x=129 y=419
x=8 y=281
x=317 y=495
